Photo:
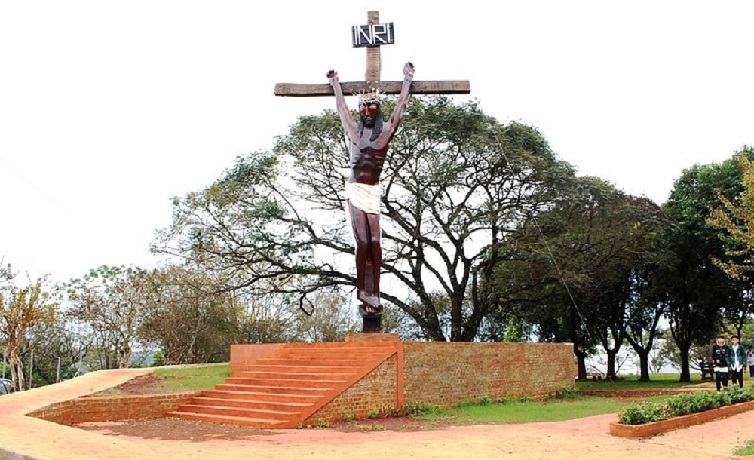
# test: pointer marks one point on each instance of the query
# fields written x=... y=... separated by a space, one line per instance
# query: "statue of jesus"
x=368 y=145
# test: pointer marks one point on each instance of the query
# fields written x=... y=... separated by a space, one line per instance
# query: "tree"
x=697 y=290
x=109 y=299
x=329 y=319
x=734 y=219
x=580 y=259
x=20 y=310
x=190 y=316
x=456 y=181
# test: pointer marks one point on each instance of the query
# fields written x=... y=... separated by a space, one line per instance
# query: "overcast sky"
x=108 y=109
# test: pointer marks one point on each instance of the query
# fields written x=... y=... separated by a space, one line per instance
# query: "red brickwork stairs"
x=286 y=387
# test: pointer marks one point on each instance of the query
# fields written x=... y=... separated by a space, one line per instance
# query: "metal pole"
x=58 y=377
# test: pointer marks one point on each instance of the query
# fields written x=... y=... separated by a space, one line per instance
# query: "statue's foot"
x=371 y=310
x=369 y=299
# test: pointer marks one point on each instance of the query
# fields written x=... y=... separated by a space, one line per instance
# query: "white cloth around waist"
x=364 y=196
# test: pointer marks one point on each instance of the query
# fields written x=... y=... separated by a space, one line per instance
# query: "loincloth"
x=364 y=196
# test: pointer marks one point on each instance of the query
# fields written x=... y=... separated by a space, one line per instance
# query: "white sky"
x=108 y=109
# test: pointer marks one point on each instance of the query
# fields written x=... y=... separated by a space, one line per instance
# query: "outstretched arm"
x=400 y=106
x=340 y=103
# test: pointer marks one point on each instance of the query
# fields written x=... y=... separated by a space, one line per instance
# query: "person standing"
x=720 y=360
x=736 y=361
x=750 y=361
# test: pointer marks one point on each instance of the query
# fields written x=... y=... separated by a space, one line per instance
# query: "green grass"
x=173 y=380
x=632 y=382
x=746 y=450
x=191 y=378
x=551 y=410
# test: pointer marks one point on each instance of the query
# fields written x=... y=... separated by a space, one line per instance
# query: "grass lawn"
x=190 y=378
x=632 y=381
x=203 y=377
x=173 y=380
x=551 y=410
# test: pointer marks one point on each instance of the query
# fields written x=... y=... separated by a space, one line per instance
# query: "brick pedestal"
x=372 y=337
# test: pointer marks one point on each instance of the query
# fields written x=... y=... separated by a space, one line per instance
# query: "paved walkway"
x=24 y=437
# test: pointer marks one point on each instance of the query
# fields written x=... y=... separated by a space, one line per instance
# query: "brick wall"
x=448 y=374
x=374 y=394
x=111 y=408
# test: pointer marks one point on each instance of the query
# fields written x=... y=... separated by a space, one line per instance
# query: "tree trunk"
x=643 y=363
x=455 y=319
x=16 y=371
x=611 y=353
x=581 y=362
x=685 y=372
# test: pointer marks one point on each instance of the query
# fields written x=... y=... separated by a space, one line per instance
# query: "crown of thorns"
x=368 y=96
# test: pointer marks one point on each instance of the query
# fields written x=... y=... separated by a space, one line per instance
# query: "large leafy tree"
x=734 y=219
x=455 y=183
x=572 y=270
x=698 y=292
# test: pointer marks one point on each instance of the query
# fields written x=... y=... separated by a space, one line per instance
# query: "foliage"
x=109 y=300
x=734 y=218
x=684 y=404
x=645 y=412
x=455 y=182
x=190 y=316
x=578 y=270
x=697 y=292
x=21 y=309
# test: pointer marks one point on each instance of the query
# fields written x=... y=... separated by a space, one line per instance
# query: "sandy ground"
x=23 y=437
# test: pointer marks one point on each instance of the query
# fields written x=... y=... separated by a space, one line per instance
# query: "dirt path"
x=583 y=439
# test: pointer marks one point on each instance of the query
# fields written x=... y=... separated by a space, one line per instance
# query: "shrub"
x=642 y=413
x=684 y=404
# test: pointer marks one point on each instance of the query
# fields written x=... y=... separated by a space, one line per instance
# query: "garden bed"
x=654 y=428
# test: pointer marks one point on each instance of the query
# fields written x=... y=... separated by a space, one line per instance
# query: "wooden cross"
x=372 y=77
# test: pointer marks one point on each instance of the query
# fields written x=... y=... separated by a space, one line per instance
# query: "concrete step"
x=320 y=362
x=252 y=403
x=239 y=411
x=274 y=389
x=261 y=396
x=285 y=382
x=254 y=422
x=340 y=345
x=353 y=353
x=303 y=368
x=296 y=375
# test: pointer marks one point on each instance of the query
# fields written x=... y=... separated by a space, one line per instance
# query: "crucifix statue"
x=368 y=145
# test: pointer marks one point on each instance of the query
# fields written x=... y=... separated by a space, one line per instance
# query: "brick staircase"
x=286 y=387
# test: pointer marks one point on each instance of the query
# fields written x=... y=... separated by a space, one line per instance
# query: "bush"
x=645 y=412
x=684 y=404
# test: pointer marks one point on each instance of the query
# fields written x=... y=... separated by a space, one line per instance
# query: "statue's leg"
x=367 y=284
x=376 y=255
x=360 y=227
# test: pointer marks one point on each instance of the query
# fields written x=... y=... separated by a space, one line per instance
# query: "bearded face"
x=369 y=112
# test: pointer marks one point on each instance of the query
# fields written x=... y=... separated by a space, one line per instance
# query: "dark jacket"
x=741 y=352
x=721 y=355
